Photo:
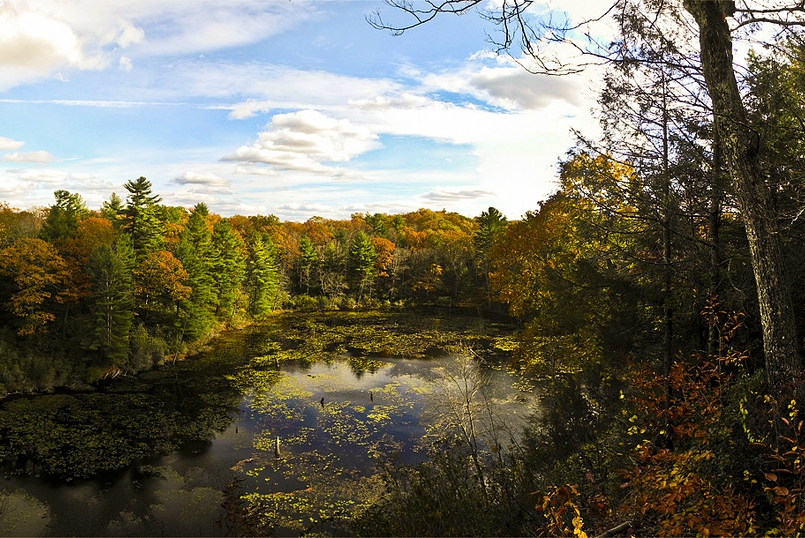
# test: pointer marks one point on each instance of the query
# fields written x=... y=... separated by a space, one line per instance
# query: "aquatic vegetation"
x=77 y=436
x=313 y=404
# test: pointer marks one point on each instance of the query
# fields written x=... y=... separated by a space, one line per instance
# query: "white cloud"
x=32 y=39
x=46 y=36
x=7 y=143
x=44 y=176
x=449 y=196
x=515 y=88
x=194 y=178
x=125 y=63
x=272 y=87
x=129 y=35
x=41 y=157
x=305 y=141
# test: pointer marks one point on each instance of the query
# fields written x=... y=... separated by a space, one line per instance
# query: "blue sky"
x=288 y=107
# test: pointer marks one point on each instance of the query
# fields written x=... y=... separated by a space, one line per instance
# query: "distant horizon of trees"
x=86 y=294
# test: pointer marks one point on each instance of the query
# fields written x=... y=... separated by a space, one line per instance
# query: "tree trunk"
x=740 y=149
x=714 y=225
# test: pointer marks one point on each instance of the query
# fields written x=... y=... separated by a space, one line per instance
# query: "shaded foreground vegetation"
x=691 y=452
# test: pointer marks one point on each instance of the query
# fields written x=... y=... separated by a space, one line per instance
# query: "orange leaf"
x=771 y=477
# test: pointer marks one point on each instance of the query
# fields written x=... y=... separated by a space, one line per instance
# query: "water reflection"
x=335 y=422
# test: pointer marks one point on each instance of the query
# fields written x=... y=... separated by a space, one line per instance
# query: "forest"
x=657 y=292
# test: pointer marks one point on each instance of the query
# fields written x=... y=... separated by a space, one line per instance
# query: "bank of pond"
x=295 y=426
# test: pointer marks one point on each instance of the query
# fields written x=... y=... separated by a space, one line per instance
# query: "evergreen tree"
x=63 y=216
x=196 y=253
x=307 y=262
x=362 y=261
x=140 y=218
x=263 y=276
x=113 y=209
x=491 y=224
x=229 y=267
x=112 y=301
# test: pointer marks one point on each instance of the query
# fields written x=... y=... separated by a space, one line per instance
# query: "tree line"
x=87 y=293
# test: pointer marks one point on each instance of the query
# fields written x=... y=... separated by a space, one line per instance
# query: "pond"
x=270 y=424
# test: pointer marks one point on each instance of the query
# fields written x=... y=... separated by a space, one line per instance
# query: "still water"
x=304 y=438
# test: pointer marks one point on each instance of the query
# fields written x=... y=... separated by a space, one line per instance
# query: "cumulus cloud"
x=305 y=141
x=194 y=178
x=513 y=87
x=41 y=157
x=32 y=39
x=43 y=38
x=505 y=84
x=8 y=143
x=129 y=35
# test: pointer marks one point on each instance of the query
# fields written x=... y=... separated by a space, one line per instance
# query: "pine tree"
x=113 y=209
x=263 y=276
x=110 y=268
x=140 y=218
x=307 y=262
x=229 y=267
x=491 y=224
x=362 y=261
x=196 y=253
x=63 y=216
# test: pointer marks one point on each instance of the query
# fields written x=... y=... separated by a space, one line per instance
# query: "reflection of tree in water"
x=80 y=435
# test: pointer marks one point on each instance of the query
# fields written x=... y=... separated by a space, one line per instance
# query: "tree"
x=112 y=301
x=113 y=209
x=229 y=267
x=740 y=146
x=263 y=278
x=775 y=106
x=33 y=274
x=307 y=262
x=63 y=216
x=491 y=224
x=160 y=282
x=362 y=258
x=711 y=29
x=332 y=269
x=197 y=255
x=462 y=404
x=455 y=254
x=15 y=224
x=384 y=255
x=76 y=250
x=140 y=218
x=567 y=271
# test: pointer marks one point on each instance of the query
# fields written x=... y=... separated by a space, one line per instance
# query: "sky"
x=295 y=108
